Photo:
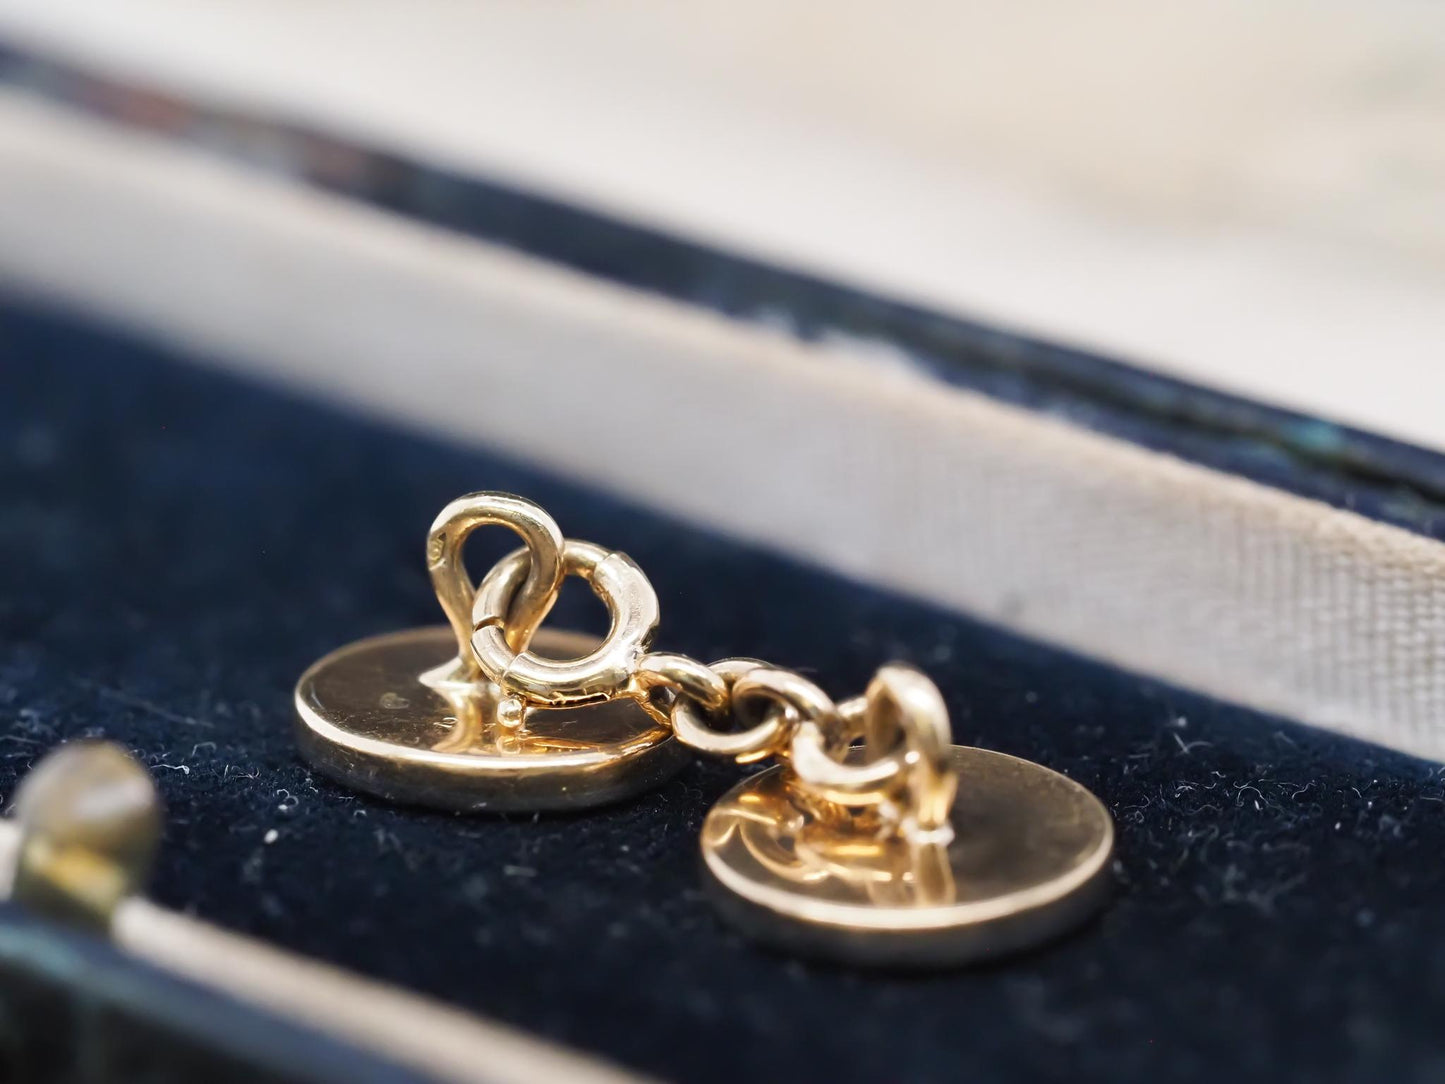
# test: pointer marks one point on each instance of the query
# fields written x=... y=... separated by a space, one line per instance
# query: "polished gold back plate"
x=1028 y=859
x=447 y=717
x=365 y=718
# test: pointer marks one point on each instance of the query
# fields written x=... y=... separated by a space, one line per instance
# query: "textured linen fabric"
x=175 y=547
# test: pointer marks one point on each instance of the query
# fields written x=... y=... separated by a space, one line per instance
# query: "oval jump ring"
x=684 y=675
x=760 y=740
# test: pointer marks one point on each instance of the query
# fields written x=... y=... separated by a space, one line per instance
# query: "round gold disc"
x=1029 y=858
x=364 y=718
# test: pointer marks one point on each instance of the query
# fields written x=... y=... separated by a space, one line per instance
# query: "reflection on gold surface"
x=850 y=856
x=478 y=709
x=389 y=715
x=485 y=722
x=481 y=719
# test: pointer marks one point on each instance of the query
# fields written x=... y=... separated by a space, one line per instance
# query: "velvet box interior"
x=176 y=546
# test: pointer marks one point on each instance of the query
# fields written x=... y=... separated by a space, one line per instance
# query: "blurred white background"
x=1249 y=193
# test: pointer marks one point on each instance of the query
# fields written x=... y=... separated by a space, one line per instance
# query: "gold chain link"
x=740 y=708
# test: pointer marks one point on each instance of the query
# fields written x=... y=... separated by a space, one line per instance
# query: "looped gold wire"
x=604 y=673
x=903 y=723
x=453 y=586
x=901 y=719
x=905 y=717
x=786 y=689
x=866 y=783
x=763 y=739
x=684 y=676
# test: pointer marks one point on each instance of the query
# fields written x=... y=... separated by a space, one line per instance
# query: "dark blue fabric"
x=176 y=546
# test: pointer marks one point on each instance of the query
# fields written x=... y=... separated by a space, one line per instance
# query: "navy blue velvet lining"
x=1380 y=478
x=176 y=546
x=75 y=1009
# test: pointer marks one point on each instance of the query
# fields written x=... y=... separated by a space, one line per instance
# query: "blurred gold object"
x=90 y=822
x=860 y=845
x=77 y=849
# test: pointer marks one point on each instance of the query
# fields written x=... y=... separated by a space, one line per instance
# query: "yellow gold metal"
x=903 y=724
x=874 y=839
x=90 y=822
x=694 y=730
x=868 y=853
x=1026 y=858
x=454 y=590
x=365 y=719
x=497 y=715
x=604 y=673
x=683 y=675
x=784 y=689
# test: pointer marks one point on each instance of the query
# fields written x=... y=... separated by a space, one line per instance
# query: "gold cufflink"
x=493 y=713
x=872 y=840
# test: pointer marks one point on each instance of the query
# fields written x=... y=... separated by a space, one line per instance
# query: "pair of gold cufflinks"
x=872 y=840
